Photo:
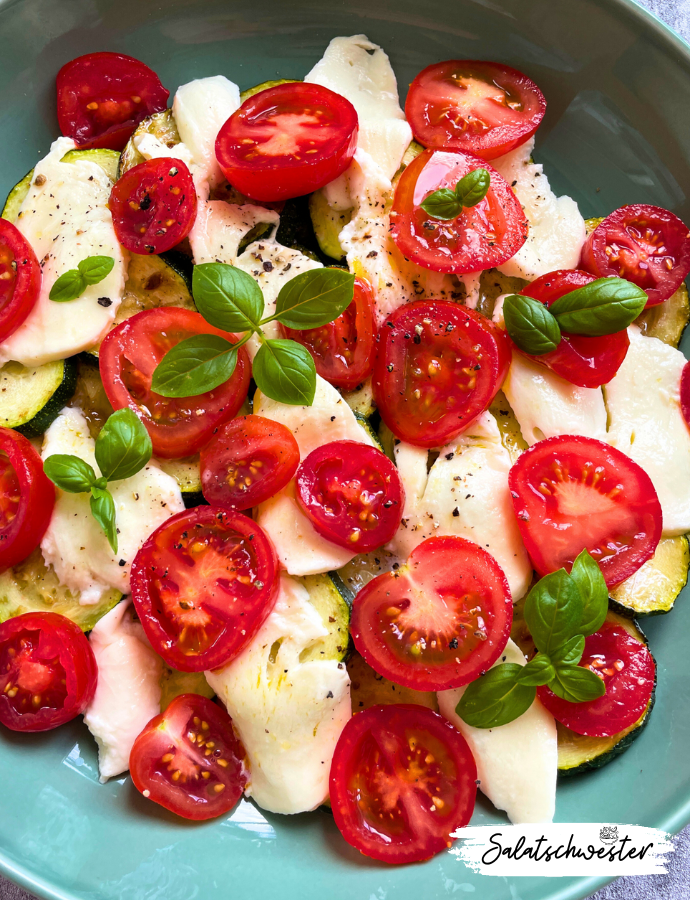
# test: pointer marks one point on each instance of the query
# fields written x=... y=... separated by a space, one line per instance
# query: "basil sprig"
x=560 y=610
x=123 y=448
x=469 y=191
x=231 y=300
x=73 y=283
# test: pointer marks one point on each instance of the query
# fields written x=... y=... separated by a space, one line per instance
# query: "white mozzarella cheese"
x=646 y=423
x=220 y=227
x=74 y=543
x=65 y=218
x=288 y=714
x=517 y=763
x=128 y=691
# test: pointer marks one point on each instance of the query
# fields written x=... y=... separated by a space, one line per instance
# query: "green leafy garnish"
x=469 y=191
x=530 y=325
x=72 y=284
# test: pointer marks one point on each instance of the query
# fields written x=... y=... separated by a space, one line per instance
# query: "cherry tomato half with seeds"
x=287 y=141
x=153 y=205
x=572 y=492
x=189 y=760
x=402 y=781
x=127 y=359
x=647 y=245
x=203 y=584
x=102 y=97
x=685 y=393
x=467 y=104
x=626 y=667
x=438 y=366
x=48 y=672
x=20 y=279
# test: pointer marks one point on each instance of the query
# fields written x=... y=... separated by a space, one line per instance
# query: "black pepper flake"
x=122 y=562
x=372 y=254
x=329 y=695
x=417 y=338
x=456 y=512
x=450 y=455
x=268 y=266
x=105 y=301
x=145 y=202
x=453 y=644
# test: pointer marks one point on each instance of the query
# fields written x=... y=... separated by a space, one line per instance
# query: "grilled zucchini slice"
x=328 y=597
x=31 y=398
x=161 y=125
x=174 y=683
x=361 y=400
x=264 y=86
x=368 y=688
x=653 y=589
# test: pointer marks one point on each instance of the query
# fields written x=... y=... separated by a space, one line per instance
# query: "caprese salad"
x=338 y=455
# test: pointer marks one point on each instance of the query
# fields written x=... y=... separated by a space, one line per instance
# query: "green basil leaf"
x=569 y=653
x=442 y=204
x=577 y=684
x=538 y=671
x=553 y=611
x=68 y=286
x=194 y=366
x=69 y=473
x=495 y=698
x=531 y=325
x=227 y=297
x=123 y=446
x=96 y=268
x=103 y=511
x=284 y=371
x=473 y=187
x=595 y=594
x=314 y=298
x=601 y=307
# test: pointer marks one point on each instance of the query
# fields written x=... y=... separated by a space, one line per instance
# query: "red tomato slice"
x=481 y=237
x=438 y=622
x=249 y=460
x=402 y=781
x=685 y=393
x=27 y=498
x=586 y=361
x=189 y=760
x=647 y=245
x=343 y=350
x=626 y=667
x=128 y=357
x=203 y=584
x=352 y=495
x=48 y=672
x=153 y=205
x=287 y=141
x=438 y=366
x=20 y=279
x=482 y=107
x=571 y=493
x=102 y=97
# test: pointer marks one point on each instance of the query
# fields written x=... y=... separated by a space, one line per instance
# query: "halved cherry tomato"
x=352 y=495
x=128 y=357
x=466 y=104
x=189 y=760
x=626 y=667
x=647 y=245
x=343 y=350
x=27 y=498
x=102 y=97
x=287 y=141
x=438 y=366
x=481 y=237
x=438 y=622
x=685 y=393
x=402 y=781
x=153 y=205
x=249 y=460
x=20 y=279
x=586 y=361
x=48 y=672
x=203 y=584
x=572 y=492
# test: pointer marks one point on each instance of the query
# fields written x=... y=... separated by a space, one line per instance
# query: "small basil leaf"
x=96 y=268
x=194 y=366
x=595 y=595
x=553 y=611
x=103 y=511
x=601 y=307
x=68 y=286
x=285 y=371
x=227 y=297
x=570 y=653
x=101 y=483
x=496 y=698
x=577 y=684
x=538 y=671
x=473 y=187
x=531 y=325
x=69 y=473
x=314 y=298
x=442 y=204
x=123 y=446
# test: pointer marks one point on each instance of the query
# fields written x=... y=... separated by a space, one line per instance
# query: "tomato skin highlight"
x=482 y=107
x=454 y=357
x=48 y=672
x=20 y=279
x=572 y=492
x=287 y=141
x=391 y=767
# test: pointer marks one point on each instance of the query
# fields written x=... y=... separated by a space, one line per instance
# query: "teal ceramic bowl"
x=617 y=131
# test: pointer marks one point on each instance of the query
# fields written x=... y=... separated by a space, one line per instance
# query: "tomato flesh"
x=685 y=393
x=20 y=279
x=572 y=492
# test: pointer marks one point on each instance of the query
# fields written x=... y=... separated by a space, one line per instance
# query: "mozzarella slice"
x=645 y=423
x=465 y=493
x=128 y=691
x=220 y=227
x=517 y=763
x=74 y=544
x=288 y=714
x=65 y=218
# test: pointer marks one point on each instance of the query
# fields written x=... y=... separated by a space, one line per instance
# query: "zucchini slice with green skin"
x=365 y=422
x=174 y=683
x=31 y=398
x=187 y=474
x=264 y=86
x=361 y=400
x=368 y=688
x=161 y=125
x=15 y=198
x=327 y=224
x=333 y=606
x=652 y=590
